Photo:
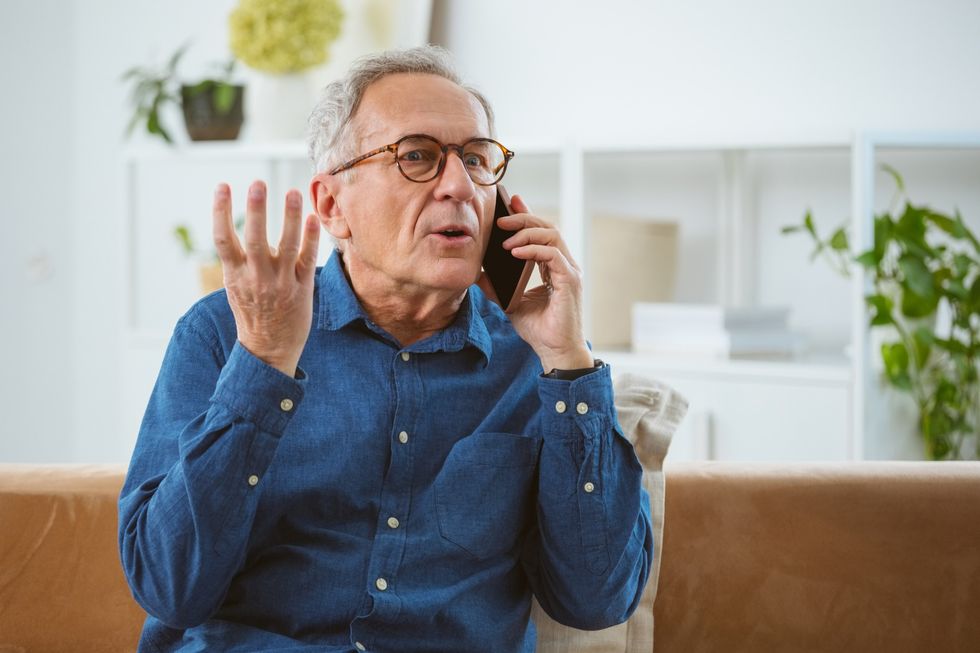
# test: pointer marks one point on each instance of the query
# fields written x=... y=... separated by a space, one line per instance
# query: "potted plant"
x=922 y=263
x=212 y=108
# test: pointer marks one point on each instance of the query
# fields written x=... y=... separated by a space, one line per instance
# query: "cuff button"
x=286 y=405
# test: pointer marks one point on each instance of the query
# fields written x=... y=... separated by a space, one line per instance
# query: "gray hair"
x=328 y=129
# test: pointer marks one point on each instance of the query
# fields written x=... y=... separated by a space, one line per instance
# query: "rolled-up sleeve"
x=209 y=434
x=589 y=558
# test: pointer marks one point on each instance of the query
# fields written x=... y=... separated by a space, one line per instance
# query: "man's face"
x=396 y=225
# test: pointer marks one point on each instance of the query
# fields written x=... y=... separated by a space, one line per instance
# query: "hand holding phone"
x=507 y=274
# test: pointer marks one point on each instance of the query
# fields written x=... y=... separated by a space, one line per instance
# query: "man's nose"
x=455 y=182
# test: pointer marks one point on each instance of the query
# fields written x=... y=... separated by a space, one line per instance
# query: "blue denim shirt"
x=388 y=498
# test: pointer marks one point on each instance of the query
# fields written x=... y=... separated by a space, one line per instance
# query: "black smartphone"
x=508 y=275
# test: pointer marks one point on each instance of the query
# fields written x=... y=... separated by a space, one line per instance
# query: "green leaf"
x=884 y=230
x=911 y=227
x=962 y=264
x=897 y=177
x=916 y=275
x=175 y=58
x=839 y=240
x=183 y=235
x=957 y=290
x=915 y=305
x=881 y=313
x=967 y=232
x=951 y=345
x=197 y=89
x=973 y=299
x=808 y=223
x=896 y=360
x=790 y=229
x=224 y=98
x=922 y=338
x=945 y=223
x=869 y=259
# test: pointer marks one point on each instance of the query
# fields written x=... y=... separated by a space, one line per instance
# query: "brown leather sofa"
x=776 y=557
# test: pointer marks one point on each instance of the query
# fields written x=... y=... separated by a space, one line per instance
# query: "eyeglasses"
x=421 y=158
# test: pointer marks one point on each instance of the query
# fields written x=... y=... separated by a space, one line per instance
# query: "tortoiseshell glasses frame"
x=485 y=159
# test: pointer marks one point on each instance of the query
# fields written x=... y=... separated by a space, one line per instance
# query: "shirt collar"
x=338 y=307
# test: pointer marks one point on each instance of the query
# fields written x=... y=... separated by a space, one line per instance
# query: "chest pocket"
x=485 y=492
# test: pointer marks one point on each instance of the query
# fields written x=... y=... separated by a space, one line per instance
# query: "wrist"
x=573 y=360
x=285 y=363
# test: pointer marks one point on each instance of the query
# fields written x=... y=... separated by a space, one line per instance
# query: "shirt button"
x=381 y=584
x=253 y=480
x=589 y=487
x=286 y=405
x=359 y=646
x=560 y=406
x=582 y=408
x=406 y=356
x=403 y=437
x=392 y=522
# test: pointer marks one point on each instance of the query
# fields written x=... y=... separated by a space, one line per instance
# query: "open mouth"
x=452 y=233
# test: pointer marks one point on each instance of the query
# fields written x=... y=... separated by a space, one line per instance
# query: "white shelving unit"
x=729 y=196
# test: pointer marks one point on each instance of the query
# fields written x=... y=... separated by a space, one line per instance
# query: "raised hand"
x=270 y=290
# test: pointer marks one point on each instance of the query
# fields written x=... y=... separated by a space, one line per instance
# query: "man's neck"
x=406 y=311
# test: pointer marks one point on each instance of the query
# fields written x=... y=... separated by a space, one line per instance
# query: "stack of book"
x=712 y=331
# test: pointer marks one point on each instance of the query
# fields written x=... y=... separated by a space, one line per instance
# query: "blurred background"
x=672 y=141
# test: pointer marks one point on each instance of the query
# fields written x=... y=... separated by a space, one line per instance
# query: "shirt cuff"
x=259 y=392
x=584 y=405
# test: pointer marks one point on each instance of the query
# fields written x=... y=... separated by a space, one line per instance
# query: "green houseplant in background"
x=210 y=274
x=212 y=108
x=922 y=262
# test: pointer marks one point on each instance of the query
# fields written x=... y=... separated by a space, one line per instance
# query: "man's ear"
x=323 y=194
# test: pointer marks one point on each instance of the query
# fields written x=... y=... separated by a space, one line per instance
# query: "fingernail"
x=256 y=192
x=293 y=200
x=221 y=191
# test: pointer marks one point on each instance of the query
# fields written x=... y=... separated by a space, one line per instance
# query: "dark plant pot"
x=204 y=122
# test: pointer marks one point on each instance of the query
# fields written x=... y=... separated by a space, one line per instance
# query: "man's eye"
x=475 y=161
x=417 y=156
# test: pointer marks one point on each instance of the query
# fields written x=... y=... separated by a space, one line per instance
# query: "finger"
x=256 y=241
x=223 y=230
x=517 y=204
x=306 y=263
x=558 y=268
x=533 y=236
x=549 y=236
x=292 y=225
x=517 y=221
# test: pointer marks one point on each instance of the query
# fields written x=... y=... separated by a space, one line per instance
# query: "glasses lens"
x=418 y=157
x=484 y=160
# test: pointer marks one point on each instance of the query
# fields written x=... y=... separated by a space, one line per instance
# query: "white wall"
x=620 y=70
x=37 y=201
x=610 y=71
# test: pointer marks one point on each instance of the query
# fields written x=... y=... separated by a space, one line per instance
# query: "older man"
x=374 y=456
